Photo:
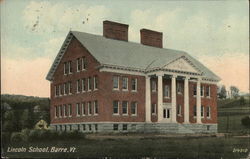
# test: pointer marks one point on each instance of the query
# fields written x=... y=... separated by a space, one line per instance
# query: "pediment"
x=182 y=64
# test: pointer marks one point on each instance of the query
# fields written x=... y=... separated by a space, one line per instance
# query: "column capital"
x=159 y=74
x=173 y=76
x=187 y=77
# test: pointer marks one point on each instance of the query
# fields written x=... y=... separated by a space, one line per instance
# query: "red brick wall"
x=105 y=95
x=151 y=38
x=115 y=30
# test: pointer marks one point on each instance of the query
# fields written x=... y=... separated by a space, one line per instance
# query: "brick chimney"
x=151 y=38
x=115 y=30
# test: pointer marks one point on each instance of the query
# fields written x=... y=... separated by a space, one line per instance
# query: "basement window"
x=115 y=127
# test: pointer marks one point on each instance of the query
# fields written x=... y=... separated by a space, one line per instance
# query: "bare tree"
x=234 y=91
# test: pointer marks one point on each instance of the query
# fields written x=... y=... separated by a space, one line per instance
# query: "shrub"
x=246 y=121
x=34 y=135
x=17 y=137
x=6 y=137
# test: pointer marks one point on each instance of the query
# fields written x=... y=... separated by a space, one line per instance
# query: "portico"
x=167 y=111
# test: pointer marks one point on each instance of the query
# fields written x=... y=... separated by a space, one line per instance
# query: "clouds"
x=45 y=16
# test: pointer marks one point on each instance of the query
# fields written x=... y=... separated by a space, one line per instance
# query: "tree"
x=222 y=92
x=242 y=100
x=234 y=91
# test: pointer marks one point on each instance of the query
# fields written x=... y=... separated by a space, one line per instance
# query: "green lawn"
x=174 y=147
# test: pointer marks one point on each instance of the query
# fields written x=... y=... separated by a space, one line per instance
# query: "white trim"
x=125 y=114
x=104 y=69
x=83 y=105
x=208 y=117
x=89 y=84
x=70 y=110
x=77 y=109
x=77 y=63
x=126 y=79
x=118 y=83
x=133 y=78
x=64 y=110
x=118 y=103
x=94 y=82
x=155 y=108
x=96 y=104
x=83 y=81
x=153 y=86
x=89 y=106
x=168 y=90
x=136 y=107
x=77 y=86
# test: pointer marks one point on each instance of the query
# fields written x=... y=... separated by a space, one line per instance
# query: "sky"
x=32 y=31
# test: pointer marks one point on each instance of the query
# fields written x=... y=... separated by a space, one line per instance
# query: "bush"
x=34 y=135
x=6 y=137
x=246 y=121
x=18 y=137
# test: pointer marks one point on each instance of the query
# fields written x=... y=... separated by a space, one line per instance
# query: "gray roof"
x=129 y=54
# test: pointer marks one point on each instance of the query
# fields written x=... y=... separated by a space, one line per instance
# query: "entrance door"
x=166 y=113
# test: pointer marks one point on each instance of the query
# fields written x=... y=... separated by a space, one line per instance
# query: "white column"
x=173 y=98
x=186 y=100
x=160 y=98
x=148 y=100
x=198 y=100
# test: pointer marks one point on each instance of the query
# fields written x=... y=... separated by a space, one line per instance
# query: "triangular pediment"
x=182 y=64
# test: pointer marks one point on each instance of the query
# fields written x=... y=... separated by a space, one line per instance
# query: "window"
x=89 y=108
x=115 y=107
x=96 y=127
x=134 y=84
x=70 y=87
x=66 y=69
x=95 y=83
x=208 y=91
x=179 y=88
x=78 y=127
x=124 y=127
x=78 y=109
x=116 y=82
x=56 y=91
x=202 y=91
x=115 y=127
x=79 y=88
x=202 y=111
x=70 y=127
x=153 y=86
x=166 y=91
x=65 y=110
x=83 y=108
x=133 y=108
x=83 y=127
x=79 y=64
x=124 y=83
x=84 y=63
x=208 y=112
x=179 y=110
x=124 y=107
x=194 y=90
x=84 y=84
x=95 y=107
x=89 y=84
x=195 y=111
x=153 y=109
x=70 y=67
x=90 y=128
x=70 y=109
x=56 y=112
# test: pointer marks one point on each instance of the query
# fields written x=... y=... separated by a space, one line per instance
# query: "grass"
x=177 y=147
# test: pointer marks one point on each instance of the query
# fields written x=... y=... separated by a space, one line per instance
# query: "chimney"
x=115 y=30
x=151 y=38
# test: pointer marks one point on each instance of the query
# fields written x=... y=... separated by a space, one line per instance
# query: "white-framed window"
x=84 y=84
x=179 y=110
x=202 y=91
x=60 y=111
x=78 y=109
x=195 y=111
x=166 y=91
x=59 y=90
x=153 y=108
x=78 y=65
x=95 y=83
x=194 y=90
x=208 y=112
x=56 y=90
x=124 y=127
x=134 y=84
x=153 y=86
x=70 y=87
x=56 y=112
x=89 y=108
x=84 y=63
x=78 y=88
x=179 y=88
x=115 y=127
x=65 y=88
x=124 y=83
x=202 y=111
x=115 y=82
x=96 y=109
x=116 y=107
x=62 y=89
x=133 y=108
x=70 y=67
x=65 y=68
x=124 y=108
x=89 y=84
x=83 y=109
x=70 y=110
x=65 y=114
x=208 y=91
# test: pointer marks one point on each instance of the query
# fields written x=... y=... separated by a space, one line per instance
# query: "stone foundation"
x=136 y=127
